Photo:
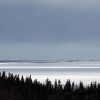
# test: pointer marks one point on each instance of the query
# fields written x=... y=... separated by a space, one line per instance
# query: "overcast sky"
x=49 y=29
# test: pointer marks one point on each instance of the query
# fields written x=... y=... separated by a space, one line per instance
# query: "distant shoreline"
x=45 y=61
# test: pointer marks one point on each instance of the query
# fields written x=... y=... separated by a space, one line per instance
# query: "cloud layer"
x=61 y=28
x=54 y=2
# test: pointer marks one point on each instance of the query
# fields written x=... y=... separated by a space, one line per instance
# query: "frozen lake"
x=85 y=71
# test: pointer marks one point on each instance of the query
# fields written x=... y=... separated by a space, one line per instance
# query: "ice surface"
x=77 y=71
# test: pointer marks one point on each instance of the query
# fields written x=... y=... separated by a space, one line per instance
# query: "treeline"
x=12 y=87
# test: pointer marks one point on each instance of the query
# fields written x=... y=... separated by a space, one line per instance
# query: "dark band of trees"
x=14 y=88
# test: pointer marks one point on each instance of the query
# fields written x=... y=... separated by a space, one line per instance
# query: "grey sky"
x=49 y=29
